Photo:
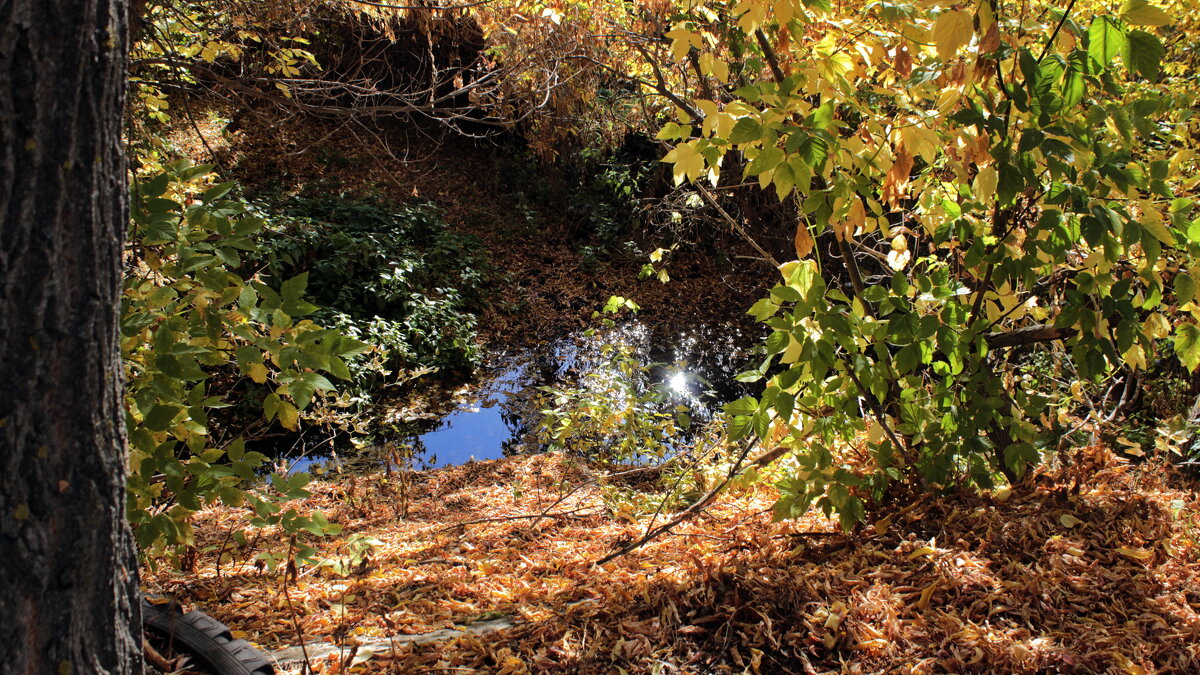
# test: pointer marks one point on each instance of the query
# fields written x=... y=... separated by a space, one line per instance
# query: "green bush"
x=194 y=331
x=398 y=278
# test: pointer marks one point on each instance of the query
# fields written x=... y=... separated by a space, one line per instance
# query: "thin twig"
x=686 y=513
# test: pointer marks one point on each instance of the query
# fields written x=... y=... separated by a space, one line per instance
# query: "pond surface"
x=496 y=415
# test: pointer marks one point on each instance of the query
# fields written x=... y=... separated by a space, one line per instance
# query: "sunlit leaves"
x=683 y=40
x=188 y=317
x=1142 y=13
x=1187 y=345
x=1105 y=39
x=951 y=32
x=688 y=161
x=1024 y=185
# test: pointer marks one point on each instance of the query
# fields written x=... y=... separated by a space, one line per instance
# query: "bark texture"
x=68 y=568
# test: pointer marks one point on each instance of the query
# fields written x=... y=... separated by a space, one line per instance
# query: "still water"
x=496 y=415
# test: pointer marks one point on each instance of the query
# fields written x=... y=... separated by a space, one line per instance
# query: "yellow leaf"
x=923 y=551
x=1142 y=13
x=1068 y=521
x=1135 y=357
x=751 y=13
x=1075 y=551
x=289 y=417
x=793 y=351
x=881 y=526
x=784 y=11
x=875 y=435
x=1132 y=447
x=688 y=161
x=836 y=613
x=787 y=269
x=258 y=372
x=1138 y=553
x=985 y=183
x=1152 y=220
x=856 y=220
x=720 y=71
x=898 y=260
x=921 y=141
x=1156 y=326
x=895 y=183
x=923 y=601
x=715 y=67
x=951 y=31
x=682 y=40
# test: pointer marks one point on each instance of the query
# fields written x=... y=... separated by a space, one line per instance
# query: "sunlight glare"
x=679 y=383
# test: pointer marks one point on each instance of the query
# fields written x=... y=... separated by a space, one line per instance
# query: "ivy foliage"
x=966 y=180
x=192 y=327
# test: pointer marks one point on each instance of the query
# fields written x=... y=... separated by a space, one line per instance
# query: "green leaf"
x=298 y=308
x=777 y=341
x=316 y=381
x=746 y=130
x=738 y=427
x=271 y=406
x=1187 y=345
x=293 y=289
x=216 y=192
x=1105 y=40
x=1143 y=53
x=1185 y=288
x=160 y=417
x=783 y=293
x=743 y=406
x=763 y=310
x=154 y=187
x=289 y=416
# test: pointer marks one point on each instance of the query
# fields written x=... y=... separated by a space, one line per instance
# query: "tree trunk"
x=68 y=567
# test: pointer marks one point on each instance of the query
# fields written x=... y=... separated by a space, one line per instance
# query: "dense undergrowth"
x=397 y=278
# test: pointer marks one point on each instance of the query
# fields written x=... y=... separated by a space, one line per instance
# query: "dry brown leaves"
x=542 y=288
x=895 y=183
x=1039 y=580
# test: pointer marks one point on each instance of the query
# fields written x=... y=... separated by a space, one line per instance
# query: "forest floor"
x=1090 y=568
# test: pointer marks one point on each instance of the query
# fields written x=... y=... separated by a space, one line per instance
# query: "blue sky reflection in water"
x=494 y=420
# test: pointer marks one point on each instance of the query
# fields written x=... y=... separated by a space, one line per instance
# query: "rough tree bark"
x=68 y=568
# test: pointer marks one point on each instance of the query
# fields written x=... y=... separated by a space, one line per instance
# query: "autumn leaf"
x=903 y=62
x=1135 y=553
x=804 y=241
x=258 y=372
x=855 y=219
x=1187 y=345
x=1142 y=13
x=895 y=183
x=951 y=31
x=688 y=161
x=682 y=40
x=1069 y=521
x=991 y=39
x=289 y=416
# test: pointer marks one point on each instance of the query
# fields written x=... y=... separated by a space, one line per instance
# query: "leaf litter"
x=1061 y=575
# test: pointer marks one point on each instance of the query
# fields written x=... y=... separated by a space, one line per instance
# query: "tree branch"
x=1027 y=336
